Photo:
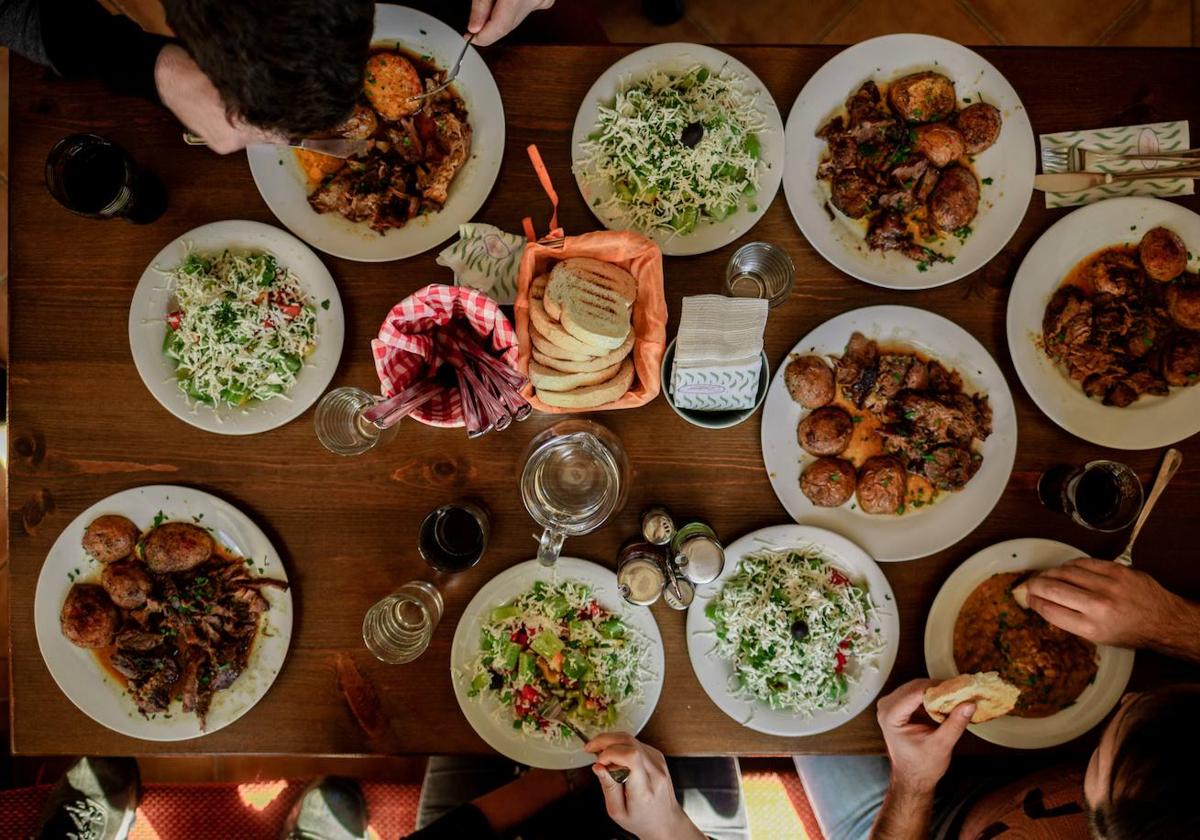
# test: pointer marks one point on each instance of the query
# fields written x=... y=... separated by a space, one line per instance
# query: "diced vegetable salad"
x=677 y=149
x=243 y=326
x=556 y=641
x=797 y=630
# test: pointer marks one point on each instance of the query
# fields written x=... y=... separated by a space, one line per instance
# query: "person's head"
x=292 y=67
x=1141 y=780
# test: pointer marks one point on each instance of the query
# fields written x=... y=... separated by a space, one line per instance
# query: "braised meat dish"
x=1124 y=322
x=414 y=148
x=175 y=615
x=900 y=158
x=994 y=633
x=898 y=430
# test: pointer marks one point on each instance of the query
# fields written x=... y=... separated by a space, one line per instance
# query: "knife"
x=1066 y=182
x=338 y=147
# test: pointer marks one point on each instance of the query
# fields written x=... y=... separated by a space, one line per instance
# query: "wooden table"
x=83 y=425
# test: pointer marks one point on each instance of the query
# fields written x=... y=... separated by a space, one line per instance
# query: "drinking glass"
x=1100 y=495
x=573 y=480
x=760 y=270
x=398 y=628
x=92 y=176
x=340 y=424
x=453 y=537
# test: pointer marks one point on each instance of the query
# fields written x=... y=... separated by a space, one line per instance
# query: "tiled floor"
x=1012 y=22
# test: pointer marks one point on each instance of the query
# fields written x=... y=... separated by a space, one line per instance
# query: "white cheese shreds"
x=643 y=173
x=590 y=661
x=243 y=326
x=797 y=630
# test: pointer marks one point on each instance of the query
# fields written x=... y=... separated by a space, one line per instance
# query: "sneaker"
x=332 y=808
x=95 y=800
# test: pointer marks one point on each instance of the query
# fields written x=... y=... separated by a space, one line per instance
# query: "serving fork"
x=450 y=77
x=1166 y=470
x=1082 y=159
x=551 y=710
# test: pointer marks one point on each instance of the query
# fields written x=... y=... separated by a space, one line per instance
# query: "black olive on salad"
x=693 y=133
x=799 y=630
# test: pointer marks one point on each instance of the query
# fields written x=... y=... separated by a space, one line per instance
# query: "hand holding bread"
x=991 y=696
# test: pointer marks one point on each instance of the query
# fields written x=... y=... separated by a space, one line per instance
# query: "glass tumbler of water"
x=341 y=426
x=573 y=480
x=760 y=270
x=398 y=628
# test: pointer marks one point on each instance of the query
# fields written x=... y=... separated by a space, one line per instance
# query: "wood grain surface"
x=83 y=425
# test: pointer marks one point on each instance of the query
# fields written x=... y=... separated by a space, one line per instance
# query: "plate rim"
x=839 y=519
x=797 y=181
x=460 y=646
x=673 y=245
x=1031 y=365
x=969 y=570
x=878 y=583
x=388 y=15
x=43 y=587
x=234 y=422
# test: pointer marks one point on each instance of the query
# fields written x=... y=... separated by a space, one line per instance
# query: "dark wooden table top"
x=83 y=426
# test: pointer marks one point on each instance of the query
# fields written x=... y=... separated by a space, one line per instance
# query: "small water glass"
x=760 y=270
x=340 y=424
x=398 y=628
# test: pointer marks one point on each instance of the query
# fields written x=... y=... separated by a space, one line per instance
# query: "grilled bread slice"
x=552 y=331
x=591 y=396
x=548 y=379
x=992 y=696
x=582 y=365
x=591 y=278
x=546 y=348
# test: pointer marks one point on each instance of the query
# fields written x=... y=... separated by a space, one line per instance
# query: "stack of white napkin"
x=717 y=353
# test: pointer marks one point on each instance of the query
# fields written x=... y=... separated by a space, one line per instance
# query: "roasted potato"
x=955 y=199
x=828 y=482
x=110 y=538
x=882 y=485
x=809 y=381
x=127 y=584
x=923 y=97
x=939 y=142
x=825 y=431
x=979 y=125
x=89 y=618
x=177 y=547
x=1163 y=254
x=391 y=82
x=1183 y=303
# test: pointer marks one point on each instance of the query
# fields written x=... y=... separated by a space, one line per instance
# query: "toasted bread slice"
x=592 y=279
x=549 y=379
x=553 y=333
x=591 y=396
x=547 y=348
x=992 y=696
x=583 y=365
x=595 y=322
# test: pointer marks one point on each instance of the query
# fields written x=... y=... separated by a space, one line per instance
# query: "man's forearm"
x=905 y=815
x=1180 y=636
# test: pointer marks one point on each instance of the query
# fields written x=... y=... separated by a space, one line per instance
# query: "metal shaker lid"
x=657 y=526
x=686 y=590
x=701 y=559
x=640 y=580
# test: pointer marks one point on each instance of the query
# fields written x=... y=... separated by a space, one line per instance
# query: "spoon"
x=1170 y=464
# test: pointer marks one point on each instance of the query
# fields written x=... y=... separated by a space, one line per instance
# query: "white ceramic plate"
x=283 y=187
x=1010 y=163
x=708 y=236
x=152 y=300
x=1150 y=422
x=79 y=673
x=917 y=533
x=493 y=722
x=715 y=674
x=1096 y=701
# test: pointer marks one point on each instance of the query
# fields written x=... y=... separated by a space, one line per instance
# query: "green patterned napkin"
x=485 y=258
x=1129 y=139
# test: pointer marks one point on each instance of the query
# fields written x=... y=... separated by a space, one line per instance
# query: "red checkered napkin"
x=404 y=349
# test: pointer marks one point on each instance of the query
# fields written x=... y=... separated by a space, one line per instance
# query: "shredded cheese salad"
x=797 y=630
x=675 y=149
x=243 y=326
x=554 y=641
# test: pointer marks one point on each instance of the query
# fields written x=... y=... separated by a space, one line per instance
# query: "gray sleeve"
x=21 y=29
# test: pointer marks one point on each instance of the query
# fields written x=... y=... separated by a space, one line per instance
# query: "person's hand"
x=1106 y=603
x=645 y=805
x=491 y=20
x=920 y=752
x=183 y=87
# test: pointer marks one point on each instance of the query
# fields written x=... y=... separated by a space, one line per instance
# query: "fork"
x=1170 y=464
x=1081 y=159
x=551 y=710
x=450 y=77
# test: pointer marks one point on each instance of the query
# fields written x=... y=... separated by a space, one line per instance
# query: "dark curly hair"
x=294 y=66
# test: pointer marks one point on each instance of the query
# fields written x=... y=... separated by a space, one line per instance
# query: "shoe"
x=95 y=800
x=331 y=808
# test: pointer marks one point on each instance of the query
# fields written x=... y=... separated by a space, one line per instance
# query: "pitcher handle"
x=550 y=546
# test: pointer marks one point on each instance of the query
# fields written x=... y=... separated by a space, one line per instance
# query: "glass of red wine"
x=1101 y=495
x=92 y=176
x=453 y=537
